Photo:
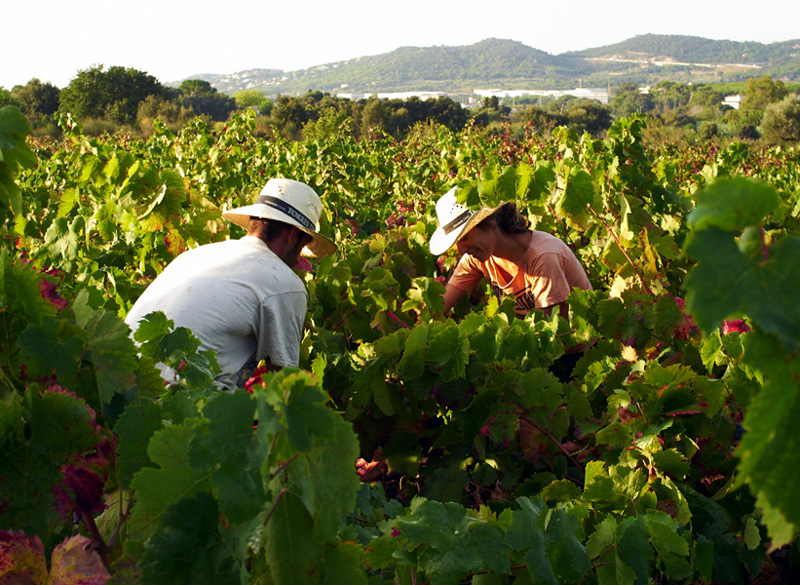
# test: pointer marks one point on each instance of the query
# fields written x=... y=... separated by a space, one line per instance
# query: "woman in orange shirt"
x=496 y=244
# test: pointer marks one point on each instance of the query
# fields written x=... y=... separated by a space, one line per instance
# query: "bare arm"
x=452 y=295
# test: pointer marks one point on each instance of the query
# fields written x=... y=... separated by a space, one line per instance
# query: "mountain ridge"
x=643 y=59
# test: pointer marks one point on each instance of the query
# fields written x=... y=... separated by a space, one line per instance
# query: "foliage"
x=781 y=122
x=665 y=456
x=115 y=93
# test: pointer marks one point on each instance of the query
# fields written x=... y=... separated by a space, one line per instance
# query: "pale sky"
x=175 y=39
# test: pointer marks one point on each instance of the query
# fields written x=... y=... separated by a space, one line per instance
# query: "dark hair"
x=266 y=229
x=508 y=219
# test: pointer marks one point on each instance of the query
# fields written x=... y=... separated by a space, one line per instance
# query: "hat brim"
x=442 y=241
x=318 y=247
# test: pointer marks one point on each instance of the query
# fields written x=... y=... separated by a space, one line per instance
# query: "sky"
x=53 y=40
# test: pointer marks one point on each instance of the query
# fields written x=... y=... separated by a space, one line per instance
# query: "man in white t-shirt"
x=241 y=298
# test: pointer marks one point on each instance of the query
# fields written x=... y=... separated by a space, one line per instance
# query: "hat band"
x=458 y=222
x=287 y=209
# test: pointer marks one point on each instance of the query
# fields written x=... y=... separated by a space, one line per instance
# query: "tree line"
x=130 y=100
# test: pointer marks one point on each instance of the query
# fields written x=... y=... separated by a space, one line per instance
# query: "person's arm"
x=452 y=294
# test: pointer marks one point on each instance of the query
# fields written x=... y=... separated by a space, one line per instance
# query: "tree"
x=590 y=116
x=781 y=122
x=113 y=95
x=374 y=117
x=37 y=99
x=253 y=98
x=7 y=99
x=630 y=99
x=204 y=100
x=759 y=93
x=448 y=113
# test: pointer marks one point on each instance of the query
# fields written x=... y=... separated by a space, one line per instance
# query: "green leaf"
x=725 y=283
x=325 y=478
x=292 y=554
x=159 y=341
x=633 y=548
x=344 y=565
x=134 y=429
x=188 y=548
x=174 y=478
x=671 y=547
x=449 y=349
x=47 y=352
x=770 y=451
x=578 y=193
x=733 y=204
x=112 y=353
x=412 y=364
x=454 y=544
x=223 y=447
x=304 y=409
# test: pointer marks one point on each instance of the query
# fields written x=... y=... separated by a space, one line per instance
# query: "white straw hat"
x=455 y=220
x=293 y=203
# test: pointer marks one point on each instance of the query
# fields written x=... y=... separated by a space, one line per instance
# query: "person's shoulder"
x=545 y=243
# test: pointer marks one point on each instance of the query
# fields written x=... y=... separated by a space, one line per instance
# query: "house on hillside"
x=733 y=101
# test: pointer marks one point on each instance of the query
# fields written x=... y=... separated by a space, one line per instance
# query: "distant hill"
x=508 y=64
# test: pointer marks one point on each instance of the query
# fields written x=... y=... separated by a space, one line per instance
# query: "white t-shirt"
x=237 y=297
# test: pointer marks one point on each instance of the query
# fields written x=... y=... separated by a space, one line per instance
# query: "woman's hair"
x=508 y=219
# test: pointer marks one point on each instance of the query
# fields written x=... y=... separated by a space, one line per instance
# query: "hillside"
x=511 y=64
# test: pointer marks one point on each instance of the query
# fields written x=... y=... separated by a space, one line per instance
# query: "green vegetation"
x=667 y=458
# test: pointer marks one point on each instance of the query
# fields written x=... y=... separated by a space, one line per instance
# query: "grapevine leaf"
x=188 y=547
x=62 y=237
x=134 y=429
x=156 y=489
x=454 y=546
x=602 y=539
x=578 y=194
x=74 y=562
x=112 y=352
x=222 y=446
x=569 y=558
x=725 y=282
x=305 y=412
x=412 y=364
x=733 y=204
x=449 y=348
x=325 y=478
x=47 y=352
x=669 y=545
x=344 y=565
x=159 y=341
x=633 y=548
x=292 y=554
x=22 y=558
x=770 y=451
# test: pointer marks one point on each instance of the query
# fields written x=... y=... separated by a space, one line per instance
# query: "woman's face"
x=478 y=243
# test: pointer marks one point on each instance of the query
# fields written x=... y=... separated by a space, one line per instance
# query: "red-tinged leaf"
x=21 y=559
x=75 y=563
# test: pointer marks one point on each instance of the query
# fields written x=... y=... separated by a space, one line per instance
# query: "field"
x=411 y=446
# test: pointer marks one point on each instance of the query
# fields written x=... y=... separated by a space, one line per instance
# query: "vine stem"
x=284 y=465
x=275 y=505
x=547 y=434
x=624 y=252
x=98 y=544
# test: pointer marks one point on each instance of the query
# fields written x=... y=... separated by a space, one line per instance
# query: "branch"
x=563 y=449
x=284 y=465
x=275 y=505
x=98 y=544
x=624 y=252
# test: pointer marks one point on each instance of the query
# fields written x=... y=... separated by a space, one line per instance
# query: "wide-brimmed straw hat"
x=455 y=220
x=291 y=202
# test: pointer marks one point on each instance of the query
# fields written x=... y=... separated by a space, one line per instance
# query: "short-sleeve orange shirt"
x=545 y=277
